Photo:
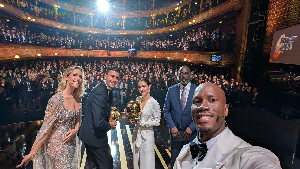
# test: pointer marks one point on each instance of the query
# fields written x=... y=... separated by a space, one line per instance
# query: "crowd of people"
x=29 y=86
x=199 y=40
x=107 y=22
x=199 y=118
x=203 y=40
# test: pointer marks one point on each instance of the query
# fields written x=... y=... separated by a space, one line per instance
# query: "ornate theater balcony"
x=10 y=52
x=228 y=6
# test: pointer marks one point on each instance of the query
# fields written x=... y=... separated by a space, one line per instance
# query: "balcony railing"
x=228 y=6
x=16 y=52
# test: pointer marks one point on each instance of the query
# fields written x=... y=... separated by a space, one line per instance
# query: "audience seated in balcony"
x=203 y=40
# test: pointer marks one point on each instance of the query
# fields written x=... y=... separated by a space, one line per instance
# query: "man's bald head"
x=210 y=86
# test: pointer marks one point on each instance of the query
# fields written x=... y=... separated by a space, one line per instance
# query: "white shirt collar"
x=187 y=87
x=211 y=141
x=106 y=85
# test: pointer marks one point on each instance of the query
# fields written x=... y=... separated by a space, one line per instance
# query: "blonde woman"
x=56 y=144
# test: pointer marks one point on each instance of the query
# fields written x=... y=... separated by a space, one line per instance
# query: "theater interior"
x=249 y=48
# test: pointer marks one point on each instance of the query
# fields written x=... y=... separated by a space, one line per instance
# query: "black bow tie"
x=199 y=150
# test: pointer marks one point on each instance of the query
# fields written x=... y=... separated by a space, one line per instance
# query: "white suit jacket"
x=229 y=152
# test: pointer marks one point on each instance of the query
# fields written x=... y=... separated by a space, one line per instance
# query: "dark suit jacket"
x=95 y=125
x=175 y=117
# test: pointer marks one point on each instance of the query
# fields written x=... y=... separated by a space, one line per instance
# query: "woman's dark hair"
x=145 y=80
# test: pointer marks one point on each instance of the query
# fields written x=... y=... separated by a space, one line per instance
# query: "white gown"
x=143 y=136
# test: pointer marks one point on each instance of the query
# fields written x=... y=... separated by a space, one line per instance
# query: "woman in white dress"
x=143 y=136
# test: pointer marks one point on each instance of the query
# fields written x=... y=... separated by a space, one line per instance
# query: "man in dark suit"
x=28 y=97
x=44 y=93
x=177 y=112
x=96 y=122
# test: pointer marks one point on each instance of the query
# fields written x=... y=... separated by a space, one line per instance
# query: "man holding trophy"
x=96 y=122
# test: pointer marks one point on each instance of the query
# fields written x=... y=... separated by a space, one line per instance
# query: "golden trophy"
x=114 y=114
x=133 y=111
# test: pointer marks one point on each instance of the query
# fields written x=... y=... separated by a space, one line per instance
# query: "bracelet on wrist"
x=30 y=155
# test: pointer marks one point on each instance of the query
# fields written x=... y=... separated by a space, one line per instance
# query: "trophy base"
x=133 y=121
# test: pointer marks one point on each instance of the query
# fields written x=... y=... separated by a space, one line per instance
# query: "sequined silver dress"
x=54 y=154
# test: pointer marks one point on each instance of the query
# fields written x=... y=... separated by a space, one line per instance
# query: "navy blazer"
x=95 y=124
x=175 y=117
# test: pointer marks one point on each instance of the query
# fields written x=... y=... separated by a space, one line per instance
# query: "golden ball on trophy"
x=133 y=110
x=114 y=114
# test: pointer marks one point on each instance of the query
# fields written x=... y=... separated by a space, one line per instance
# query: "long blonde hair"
x=63 y=84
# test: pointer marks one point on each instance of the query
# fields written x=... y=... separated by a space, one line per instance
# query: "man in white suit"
x=215 y=146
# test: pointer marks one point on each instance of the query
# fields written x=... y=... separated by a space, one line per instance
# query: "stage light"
x=103 y=5
x=1 y=5
x=55 y=54
x=185 y=59
x=17 y=57
x=39 y=55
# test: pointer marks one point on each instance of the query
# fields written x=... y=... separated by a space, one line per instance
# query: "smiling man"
x=177 y=110
x=215 y=145
x=96 y=123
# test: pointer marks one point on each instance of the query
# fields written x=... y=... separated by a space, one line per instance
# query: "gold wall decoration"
x=281 y=14
x=9 y=51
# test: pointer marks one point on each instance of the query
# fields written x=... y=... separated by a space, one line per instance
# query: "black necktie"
x=199 y=150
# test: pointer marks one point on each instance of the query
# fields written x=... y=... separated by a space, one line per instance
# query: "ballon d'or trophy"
x=114 y=114
x=133 y=111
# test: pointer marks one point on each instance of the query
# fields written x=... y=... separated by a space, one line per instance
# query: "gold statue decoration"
x=114 y=114
x=133 y=110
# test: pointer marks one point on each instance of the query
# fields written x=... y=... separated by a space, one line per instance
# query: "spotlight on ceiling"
x=103 y=5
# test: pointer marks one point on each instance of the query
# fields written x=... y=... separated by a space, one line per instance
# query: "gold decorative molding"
x=277 y=15
x=242 y=27
x=133 y=14
x=216 y=11
x=8 y=52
